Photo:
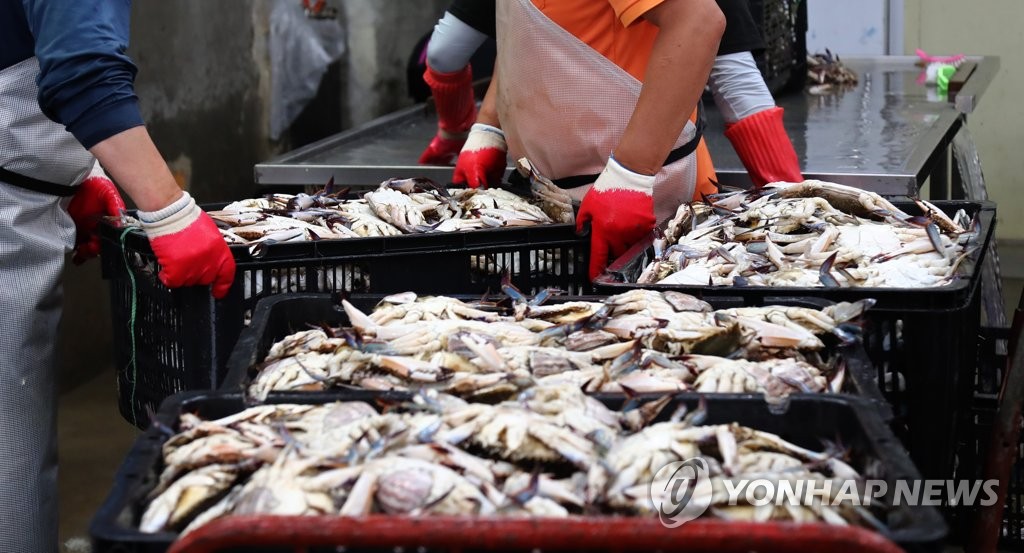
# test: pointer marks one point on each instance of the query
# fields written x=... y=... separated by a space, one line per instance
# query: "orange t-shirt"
x=617 y=31
x=613 y=28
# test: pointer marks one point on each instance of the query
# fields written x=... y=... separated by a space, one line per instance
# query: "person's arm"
x=738 y=87
x=619 y=207
x=681 y=58
x=185 y=240
x=753 y=123
x=482 y=160
x=131 y=158
x=488 y=114
x=86 y=83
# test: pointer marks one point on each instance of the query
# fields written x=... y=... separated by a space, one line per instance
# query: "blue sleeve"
x=86 y=79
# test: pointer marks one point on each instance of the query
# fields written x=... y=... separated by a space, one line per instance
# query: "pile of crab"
x=641 y=341
x=810 y=234
x=551 y=452
x=826 y=74
x=397 y=206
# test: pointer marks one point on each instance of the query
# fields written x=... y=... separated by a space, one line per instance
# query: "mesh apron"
x=35 y=234
x=565 y=106
x=32 y=146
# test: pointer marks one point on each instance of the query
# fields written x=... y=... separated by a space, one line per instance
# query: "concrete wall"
x=985 y=27
x=380 y=37
x=204 y=88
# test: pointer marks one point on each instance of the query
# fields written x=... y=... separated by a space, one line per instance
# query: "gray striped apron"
x=35 y=234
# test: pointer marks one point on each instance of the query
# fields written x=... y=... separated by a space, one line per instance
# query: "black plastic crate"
x=783 y=25
x=806 y=421
x=971 y=451
x=167 y=341
x=923 y=342
x=279 y=316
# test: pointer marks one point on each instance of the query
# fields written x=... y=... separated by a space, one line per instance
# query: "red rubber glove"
x=483 y=159
x=764 y=148
x=442 y=150
x=620 y=210
x=189 y=247
x=96 y=197
x=456 y=111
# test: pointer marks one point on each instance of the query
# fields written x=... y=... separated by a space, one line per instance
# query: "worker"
x=465 y=26
x=67 y=99
x=753 y=123
x=574 y=93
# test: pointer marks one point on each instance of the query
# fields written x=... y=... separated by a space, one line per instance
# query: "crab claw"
x=939 y=217
x=511 y=290
x=825 y=273
x=414 y=369
x=358 y=319
x=845 y=311
x=698 y=415
x=635 y=415
x=936 y=239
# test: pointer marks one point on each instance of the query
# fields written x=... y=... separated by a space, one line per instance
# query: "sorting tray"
x=806 y=421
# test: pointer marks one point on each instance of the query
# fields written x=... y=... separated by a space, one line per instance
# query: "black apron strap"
x=36 y=185
x=675 y=155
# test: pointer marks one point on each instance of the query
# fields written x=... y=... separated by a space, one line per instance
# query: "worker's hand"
x=483 y=160
x=764 y=148
x=442 y=150
x=190 y=249
x=95 y=198
x=620 y=210
x=456 y=112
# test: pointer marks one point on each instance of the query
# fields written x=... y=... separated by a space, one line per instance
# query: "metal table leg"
x=939 y=177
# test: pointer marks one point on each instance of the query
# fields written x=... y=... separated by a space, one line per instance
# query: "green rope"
x=131 y=322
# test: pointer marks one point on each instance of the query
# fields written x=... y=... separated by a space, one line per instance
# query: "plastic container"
x=180 y=340
x=806 y=421
x=971 y=453
x=922 y=341
x=783 y=25
x=329 y=535
x=279 y=316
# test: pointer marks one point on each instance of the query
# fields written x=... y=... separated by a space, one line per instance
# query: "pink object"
x=951 y=60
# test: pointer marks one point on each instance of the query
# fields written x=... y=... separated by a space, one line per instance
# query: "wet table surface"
x=886 y=134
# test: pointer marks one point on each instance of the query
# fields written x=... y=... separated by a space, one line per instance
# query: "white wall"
x=857 y=28
x=985 y=27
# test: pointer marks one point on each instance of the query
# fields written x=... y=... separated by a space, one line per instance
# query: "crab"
x=304 y=371
x=312 y=340
x=635 y=460
x=183 y=499
x=396 y=208
x=400 y=310
x=279 y=488
x=514 y=433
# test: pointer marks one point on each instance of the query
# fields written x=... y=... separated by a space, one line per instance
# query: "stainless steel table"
x=886 y=134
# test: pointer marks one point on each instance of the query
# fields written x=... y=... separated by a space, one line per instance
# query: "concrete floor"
x=94 y=440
